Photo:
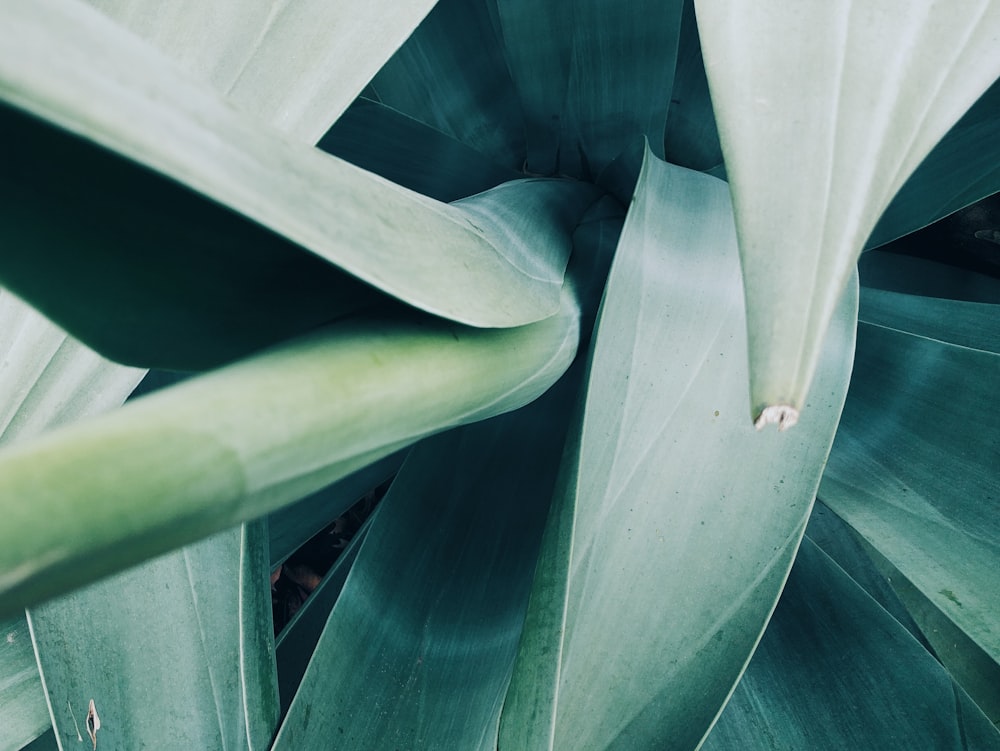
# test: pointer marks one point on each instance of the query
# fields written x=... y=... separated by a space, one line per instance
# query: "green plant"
x=521 y=270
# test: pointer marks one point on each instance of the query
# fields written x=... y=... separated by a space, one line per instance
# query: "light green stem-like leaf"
x=675 y=524
x=176 y=653
x=294 y=64
x=177 y=465
x=822 y=119
x=109 y=87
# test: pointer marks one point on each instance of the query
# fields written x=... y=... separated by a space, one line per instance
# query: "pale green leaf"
x=676 y=523
x=914 y=470
x=247 y=439
x=824 y=110
x=24 y=715
x=177 y=653
x=296 y=65
x=418 y=650
x=834 y=671
x=591 y=80
x=109 y=87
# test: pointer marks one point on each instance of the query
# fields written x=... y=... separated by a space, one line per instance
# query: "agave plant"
x=556 y=270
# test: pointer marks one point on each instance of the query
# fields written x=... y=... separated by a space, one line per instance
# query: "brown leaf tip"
x=782 y=415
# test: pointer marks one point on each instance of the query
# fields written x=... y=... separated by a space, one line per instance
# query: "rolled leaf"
x=110 y=88
x=179 y=649
x=821 y=122
x=247 y=439
x=296 y=65
x=674 y=524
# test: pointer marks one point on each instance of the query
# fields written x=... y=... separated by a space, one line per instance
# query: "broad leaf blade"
x=107 y=86
x=295 y=65
x=590 y=80
x=821 y=122
x=23 y=710
x=179 y=650
x=247 y=439
x=835 y=671
x=667 y=479
x=910 y=476
x=418 y=649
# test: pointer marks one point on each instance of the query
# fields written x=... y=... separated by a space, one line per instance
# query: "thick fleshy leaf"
x=179 y=650
x=24 y=715
x=109 y=87
x=290 y=527
x=451 y=75
x=418 y=650
x=914 y=470
x=963 y=168
x=296 y=65
x=918 y=276
x=296 y=643
x=408 y=152
x=247 y=439
x=592 y=79
x=835 y=671
x=821 y=122
x=665 y=554
x=691 y=138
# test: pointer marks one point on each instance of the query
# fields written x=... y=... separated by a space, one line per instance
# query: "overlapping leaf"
x=247 y=439
x=675 y=523
x=418 y=649
x=296 y=65
x=835 y=671
x=178 y=651
x=109 y=87
x=821 y=122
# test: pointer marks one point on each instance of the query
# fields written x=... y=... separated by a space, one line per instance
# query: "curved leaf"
x=111 y=88
x=590 y=80
x=247 y=439
x=408 y=152
x=418 y=649
x=179 y=650
x=296 y=65
x=666 y=478
x=908 y=474
x=835 y=671
x=821 y=122
x=963 y=168
x=918 y=276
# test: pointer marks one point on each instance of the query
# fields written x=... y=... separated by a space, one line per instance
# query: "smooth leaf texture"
x=918 y=276
x=290 y=527
x=835 y=671
x=451 y=74
x=23 y=711
x=109 y=87
x=382 y=140
x=666 y=553
x=296 y=65
x=176 y=653
x=914 y=470
x=591 y=78
x=247 y=439
x=418 y=649
x=960 y=170
x=821 y=122
x=297 y=641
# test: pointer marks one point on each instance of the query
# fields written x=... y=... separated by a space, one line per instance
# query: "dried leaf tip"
x=93 y=723
x=784 y=415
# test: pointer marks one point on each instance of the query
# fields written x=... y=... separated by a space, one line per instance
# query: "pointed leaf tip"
x=783 y=415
